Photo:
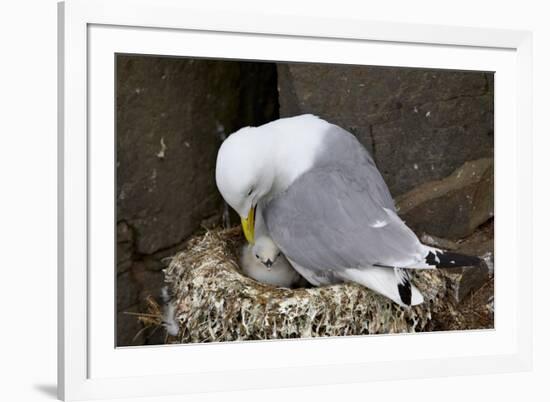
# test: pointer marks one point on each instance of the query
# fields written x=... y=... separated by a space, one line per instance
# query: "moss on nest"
x=215 y=302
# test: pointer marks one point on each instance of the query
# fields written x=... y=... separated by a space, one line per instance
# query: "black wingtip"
x=405 y=292
x=448 y=259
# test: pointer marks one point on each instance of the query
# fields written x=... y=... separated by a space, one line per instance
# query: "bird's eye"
x=250 y=191
x=257 y=256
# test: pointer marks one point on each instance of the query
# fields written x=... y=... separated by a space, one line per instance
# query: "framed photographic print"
x=299 y=200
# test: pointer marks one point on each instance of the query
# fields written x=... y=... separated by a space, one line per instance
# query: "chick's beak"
x=248 y=225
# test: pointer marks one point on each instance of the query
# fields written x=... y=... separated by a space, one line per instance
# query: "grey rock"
x=123 y=266
x=154 y=264
x=438 y=242
x=453 y=207
x=129 y=329
x=455 y=213
x=171 y=116
x=420 y=125
x=150 y=282
x=465 y=280
x=481 y=243
x=125 y=247
x=127 y=291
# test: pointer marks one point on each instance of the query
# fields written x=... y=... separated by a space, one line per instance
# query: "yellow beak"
x=248 y=225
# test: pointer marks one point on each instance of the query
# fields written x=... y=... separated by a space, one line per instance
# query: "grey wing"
x=358 y=163
x=332 y=218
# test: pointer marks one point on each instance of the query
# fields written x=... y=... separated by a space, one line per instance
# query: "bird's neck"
x=292 y=154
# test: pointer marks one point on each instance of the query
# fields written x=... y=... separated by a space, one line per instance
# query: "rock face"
x=125 y=247
x=444 y=212
x=420 y=125
x=171 y=117
x=172 y=114
x=453 y=207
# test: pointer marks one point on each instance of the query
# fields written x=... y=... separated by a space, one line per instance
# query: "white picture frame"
x=91 y=32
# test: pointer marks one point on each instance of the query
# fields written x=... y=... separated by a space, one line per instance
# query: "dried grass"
x=215 y=302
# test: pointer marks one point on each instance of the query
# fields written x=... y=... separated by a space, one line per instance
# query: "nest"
x=213 y=301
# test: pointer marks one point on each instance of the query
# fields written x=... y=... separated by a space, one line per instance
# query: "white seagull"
x=325 y=205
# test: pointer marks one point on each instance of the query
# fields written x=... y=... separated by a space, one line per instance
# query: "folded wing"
x=334 y=218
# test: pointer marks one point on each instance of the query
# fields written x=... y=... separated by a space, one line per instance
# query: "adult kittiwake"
x=325 y=205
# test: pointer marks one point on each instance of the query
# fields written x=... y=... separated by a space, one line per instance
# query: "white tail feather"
x=417 y=297
x=384 y=281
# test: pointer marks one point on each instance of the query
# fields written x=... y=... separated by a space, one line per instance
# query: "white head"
x=244 y=174
x=257 y=162
x=266 y=251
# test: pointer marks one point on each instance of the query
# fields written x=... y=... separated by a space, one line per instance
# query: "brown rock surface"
x=129 y=329
x=453 y=207
x=420 y=125
x=125 y=247
x=171 y=116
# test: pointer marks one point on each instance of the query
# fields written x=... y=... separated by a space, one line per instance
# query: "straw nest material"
x=212 y=301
